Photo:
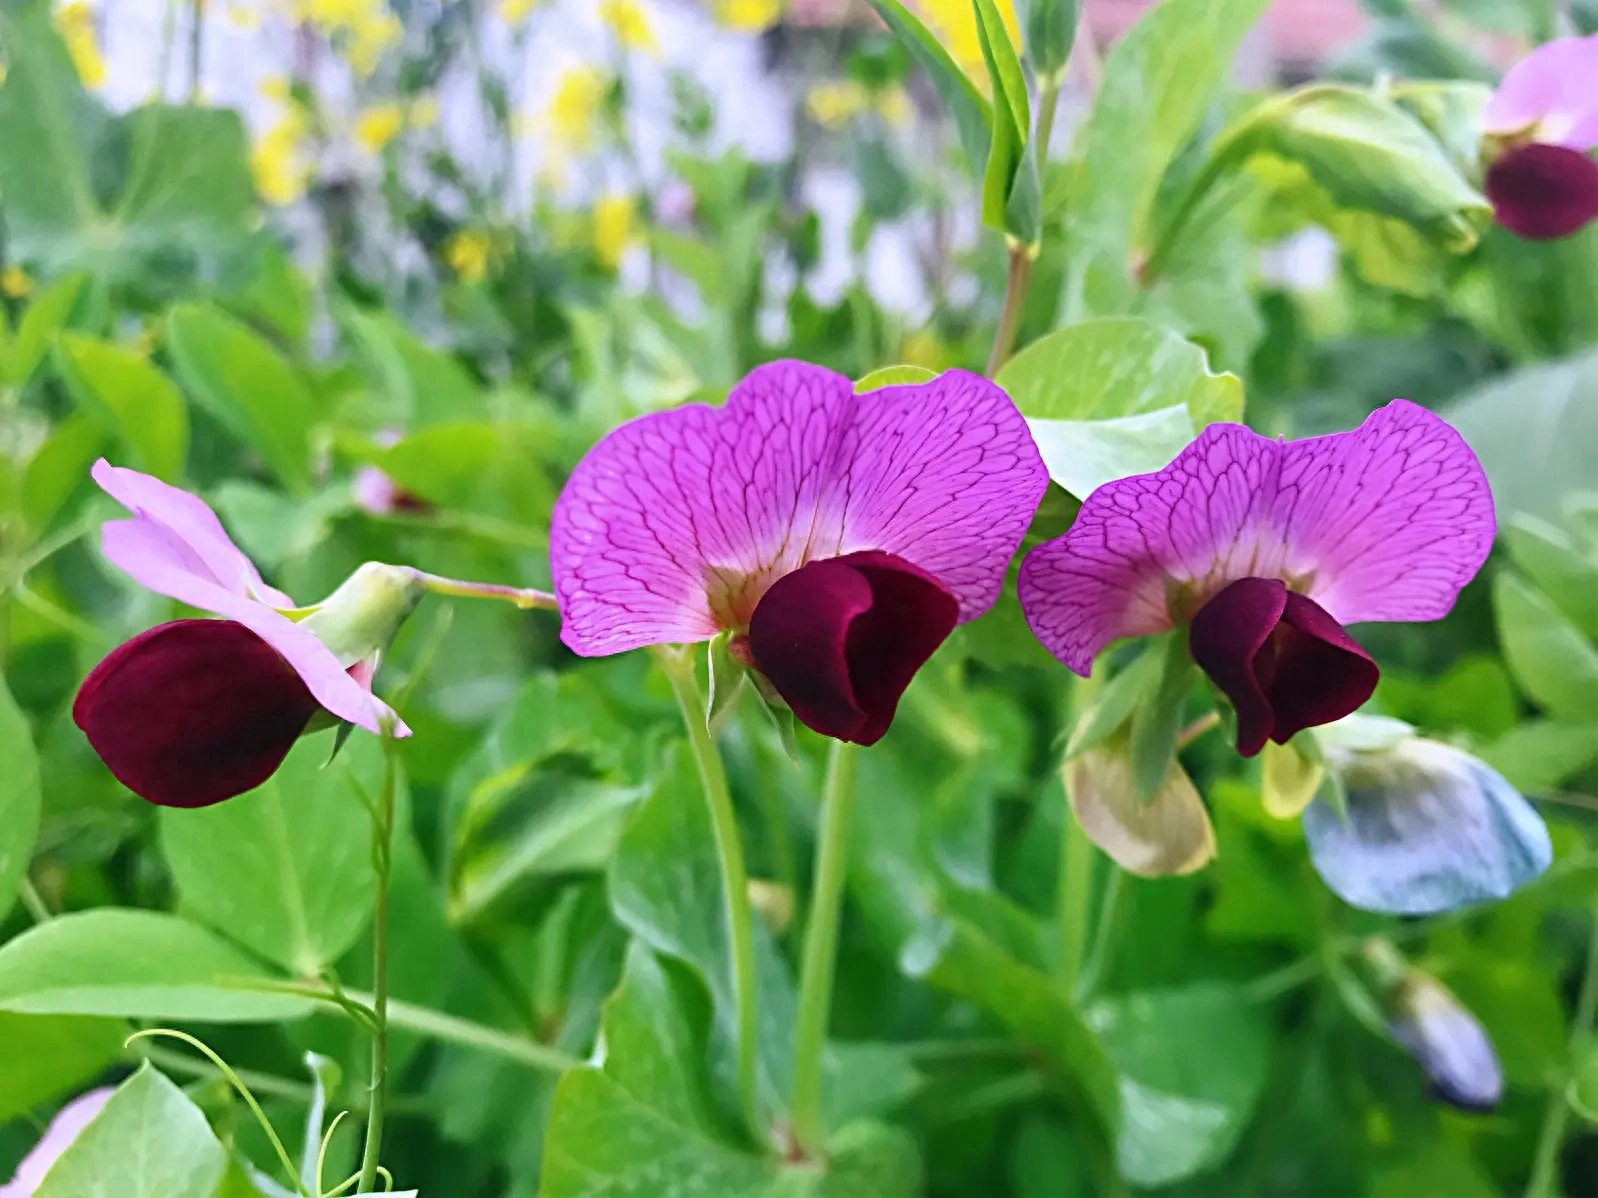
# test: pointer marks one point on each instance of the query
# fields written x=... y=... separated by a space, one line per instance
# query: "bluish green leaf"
x=1083 y=455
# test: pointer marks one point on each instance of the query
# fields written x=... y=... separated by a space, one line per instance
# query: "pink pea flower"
x=66 y=1127
x=192 y=712
x=839 y=537
x=1545 y=185
x=1263 y=550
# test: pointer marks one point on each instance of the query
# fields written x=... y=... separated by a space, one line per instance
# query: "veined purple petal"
x=1386 y=522
x=675 y=524
x=147 y=554
x=1542 y=192
x=195 y=536
x=1550 y=95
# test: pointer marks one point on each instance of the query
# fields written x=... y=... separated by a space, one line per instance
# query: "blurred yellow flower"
x=835 y=103
x=613 y=229
x=366 y=29
x=575 y=106
x=749 y=16
x=424 y=112
x=278 y=159
x=894 y=105
x=275 y=87
x=15 y=282
x=467 y=253
x=630 y=24
x=514 y=12
x=378 y=126
x=74 y=21
x=954 y=23
x=922 y=348
x=243 y=15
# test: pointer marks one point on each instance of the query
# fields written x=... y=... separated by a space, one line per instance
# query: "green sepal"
x=1113 y=707
x=1157 y=720
x=972 y=115
x=727 y=677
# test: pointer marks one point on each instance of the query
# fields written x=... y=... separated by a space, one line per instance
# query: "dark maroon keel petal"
x=1543 y=192
x=840 y=639
x=1225 y=639
x=1321 y=673
x=190 y=713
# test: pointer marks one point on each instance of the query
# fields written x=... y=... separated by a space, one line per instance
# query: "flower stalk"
x=1075 y=887
x=525 y=598
x=382 y=859
x=821 y=949
x=678 y=665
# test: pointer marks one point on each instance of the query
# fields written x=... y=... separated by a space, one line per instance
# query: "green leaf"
x=1049 y=28
x=49 y=1057
x=131 y=399
x=1551 y=661
x=1158 y=718
x=58 y=468
x=972 y=115
x=1540 y=755
x=149 y=1141
x=894 y=376
x=1118 y=367
x=1010 y=192
x=1559 y=568
x=45 y=317
x=416 y=384
x=1193 y=1066
x=952 y=955
x=285 y=869
x=1082 y=455
x=188 y=180
x=1113 y=705
x=19 y=798
x=445 y=464
x=137 y=964
x=1158 y=82
x=236 y=376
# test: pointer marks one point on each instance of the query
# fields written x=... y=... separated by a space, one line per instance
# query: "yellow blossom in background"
x=424 y=112
x=378 y=126
x=923 y=349
x=514 y=12
x=954 y=22
x=574 y=108
x=749 y=16
x=243 y=15
x=74 y=21
x=467 y=255
x=894 y=105
x=278 y=160
x=365 y=29
x=15 y=282
x=630 y=24
x=613 y=229
x=835 y=103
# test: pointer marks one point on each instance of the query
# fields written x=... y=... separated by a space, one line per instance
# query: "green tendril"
x=321 y=1153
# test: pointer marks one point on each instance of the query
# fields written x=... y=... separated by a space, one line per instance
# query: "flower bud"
x=358 y=620
x=1439 y=1032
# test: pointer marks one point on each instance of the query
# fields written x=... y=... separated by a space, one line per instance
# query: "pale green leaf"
x=131 y=398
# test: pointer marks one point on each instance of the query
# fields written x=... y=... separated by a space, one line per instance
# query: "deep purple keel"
x=1543 y=192
x=1283 y=662
x=841 y=638
x=193 y=712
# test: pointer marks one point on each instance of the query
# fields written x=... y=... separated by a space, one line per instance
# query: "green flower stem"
x=1075 y=887
x=821 y=949
x=33 y=900
x=1544 y=1181
x=679 y=667
x=525 y=598
x=382 y=856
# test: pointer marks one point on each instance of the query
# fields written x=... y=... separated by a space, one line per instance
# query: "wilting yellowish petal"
x=1166 y=835
x=1288 y=780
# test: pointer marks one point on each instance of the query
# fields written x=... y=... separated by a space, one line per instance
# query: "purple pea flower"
x=839 y=537
x=1263 y=550
x=63 y=1131
x=192 y=712
x=1544 y=185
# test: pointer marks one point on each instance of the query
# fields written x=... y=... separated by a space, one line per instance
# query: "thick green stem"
x=679 y=667
x=821 y=949
x=382 y=842
x=1544 y=1181
x=1075 y=887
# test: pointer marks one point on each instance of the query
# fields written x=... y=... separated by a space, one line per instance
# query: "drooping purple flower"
x=63 y=1131
x=840 y=537
x=195 y=711
x=1544 y=185
x=1263 y=550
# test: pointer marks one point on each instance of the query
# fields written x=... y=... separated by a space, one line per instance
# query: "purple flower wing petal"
x=1390 y=520
x=1387 y=522
x=1550 y=92
x=674 y=524
x=144 y=551
x=203 y=543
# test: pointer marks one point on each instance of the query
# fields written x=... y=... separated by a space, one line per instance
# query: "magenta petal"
x=1387 y=522
x=1543 y=192
x=1550 y=93
x=190 y=713
x=1282 y=661
x=675 y=524
x=841 y=639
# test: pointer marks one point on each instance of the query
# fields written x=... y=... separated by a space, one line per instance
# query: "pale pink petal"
x=141 y=549
x=192 y=526
x=66 y=1127
x=675 y=524
x=1552 y=93
x=1387 y=522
